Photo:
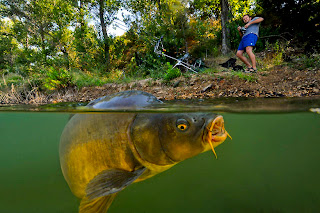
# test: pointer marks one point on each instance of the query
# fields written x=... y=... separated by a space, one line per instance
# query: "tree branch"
x=280 y=35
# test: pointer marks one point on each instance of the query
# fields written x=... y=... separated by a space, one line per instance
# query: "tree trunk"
x=27 y=41
x=104 y=32
x=66 y=56
x=43 y=46
x=225 y=30
x=81 y=47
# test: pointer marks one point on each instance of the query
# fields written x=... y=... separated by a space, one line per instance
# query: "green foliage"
x=278 y=59
x=8 y=45
x=305 y=62
x=171 y=73
x=86 y=46
x=274 y=53
x=244 y=76
x=296 y=21
x=300 y=18
x=57 y=79
x=234 y=33
x=242 y=7
x=56 y=40
x=82 y=79
x=211 y=71
x=11 y=79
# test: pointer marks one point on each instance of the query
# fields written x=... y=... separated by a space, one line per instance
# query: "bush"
x=171 y=72
x=11 y=79
x=57 y=79
x=312 y=61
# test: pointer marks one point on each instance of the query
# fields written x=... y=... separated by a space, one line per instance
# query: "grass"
x=11 y=79
x=85 y=79
x=244 y=76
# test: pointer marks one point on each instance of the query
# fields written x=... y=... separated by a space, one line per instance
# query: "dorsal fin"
x=132 y=99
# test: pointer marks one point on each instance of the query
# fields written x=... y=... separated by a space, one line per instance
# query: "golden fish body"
x=102 y=153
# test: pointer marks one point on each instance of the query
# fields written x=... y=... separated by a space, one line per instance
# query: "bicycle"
x=180 y=61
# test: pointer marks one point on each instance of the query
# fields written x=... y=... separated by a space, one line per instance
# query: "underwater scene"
x=270 y=165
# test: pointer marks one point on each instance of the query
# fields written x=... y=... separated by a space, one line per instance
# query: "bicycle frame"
x=179 y=61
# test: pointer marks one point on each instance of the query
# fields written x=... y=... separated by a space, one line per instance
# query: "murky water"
x=271 y=165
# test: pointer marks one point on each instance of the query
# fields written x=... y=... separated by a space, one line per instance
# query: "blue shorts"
x=248 y=40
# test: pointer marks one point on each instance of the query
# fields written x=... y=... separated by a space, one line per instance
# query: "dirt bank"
x=279 y=81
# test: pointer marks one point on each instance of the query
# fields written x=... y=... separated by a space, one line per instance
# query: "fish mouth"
x=216 y=133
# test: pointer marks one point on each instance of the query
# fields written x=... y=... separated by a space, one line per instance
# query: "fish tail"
x=98 y=205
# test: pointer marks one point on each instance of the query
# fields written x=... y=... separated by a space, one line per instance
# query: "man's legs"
x=251 y=56
x=243 y=58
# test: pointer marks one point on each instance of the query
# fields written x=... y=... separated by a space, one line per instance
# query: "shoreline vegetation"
x=63 y=52
x=299 y=77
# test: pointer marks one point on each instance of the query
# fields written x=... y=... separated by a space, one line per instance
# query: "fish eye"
x=182 y=124
x=182 y=127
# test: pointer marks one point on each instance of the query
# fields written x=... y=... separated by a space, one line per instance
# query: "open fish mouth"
x=216 y=132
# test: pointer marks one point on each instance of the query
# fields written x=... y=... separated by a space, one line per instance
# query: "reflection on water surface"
x=238 y=105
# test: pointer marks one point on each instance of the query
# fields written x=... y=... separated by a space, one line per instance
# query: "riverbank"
x=276 y=81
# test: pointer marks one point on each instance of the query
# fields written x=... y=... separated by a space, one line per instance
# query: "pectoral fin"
x=98 y=205
x=111 y=181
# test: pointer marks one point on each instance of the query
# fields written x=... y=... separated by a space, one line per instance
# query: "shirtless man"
x=249 y=34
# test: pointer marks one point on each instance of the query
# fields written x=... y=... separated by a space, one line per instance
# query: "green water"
x=271 y=165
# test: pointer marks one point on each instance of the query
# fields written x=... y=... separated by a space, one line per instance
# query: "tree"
x=107 y=11
x=299 y=18
x=224 y=25
x=39 y=25
x=8 y=45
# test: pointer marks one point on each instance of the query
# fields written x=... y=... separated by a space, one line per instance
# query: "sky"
x=118 y=27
